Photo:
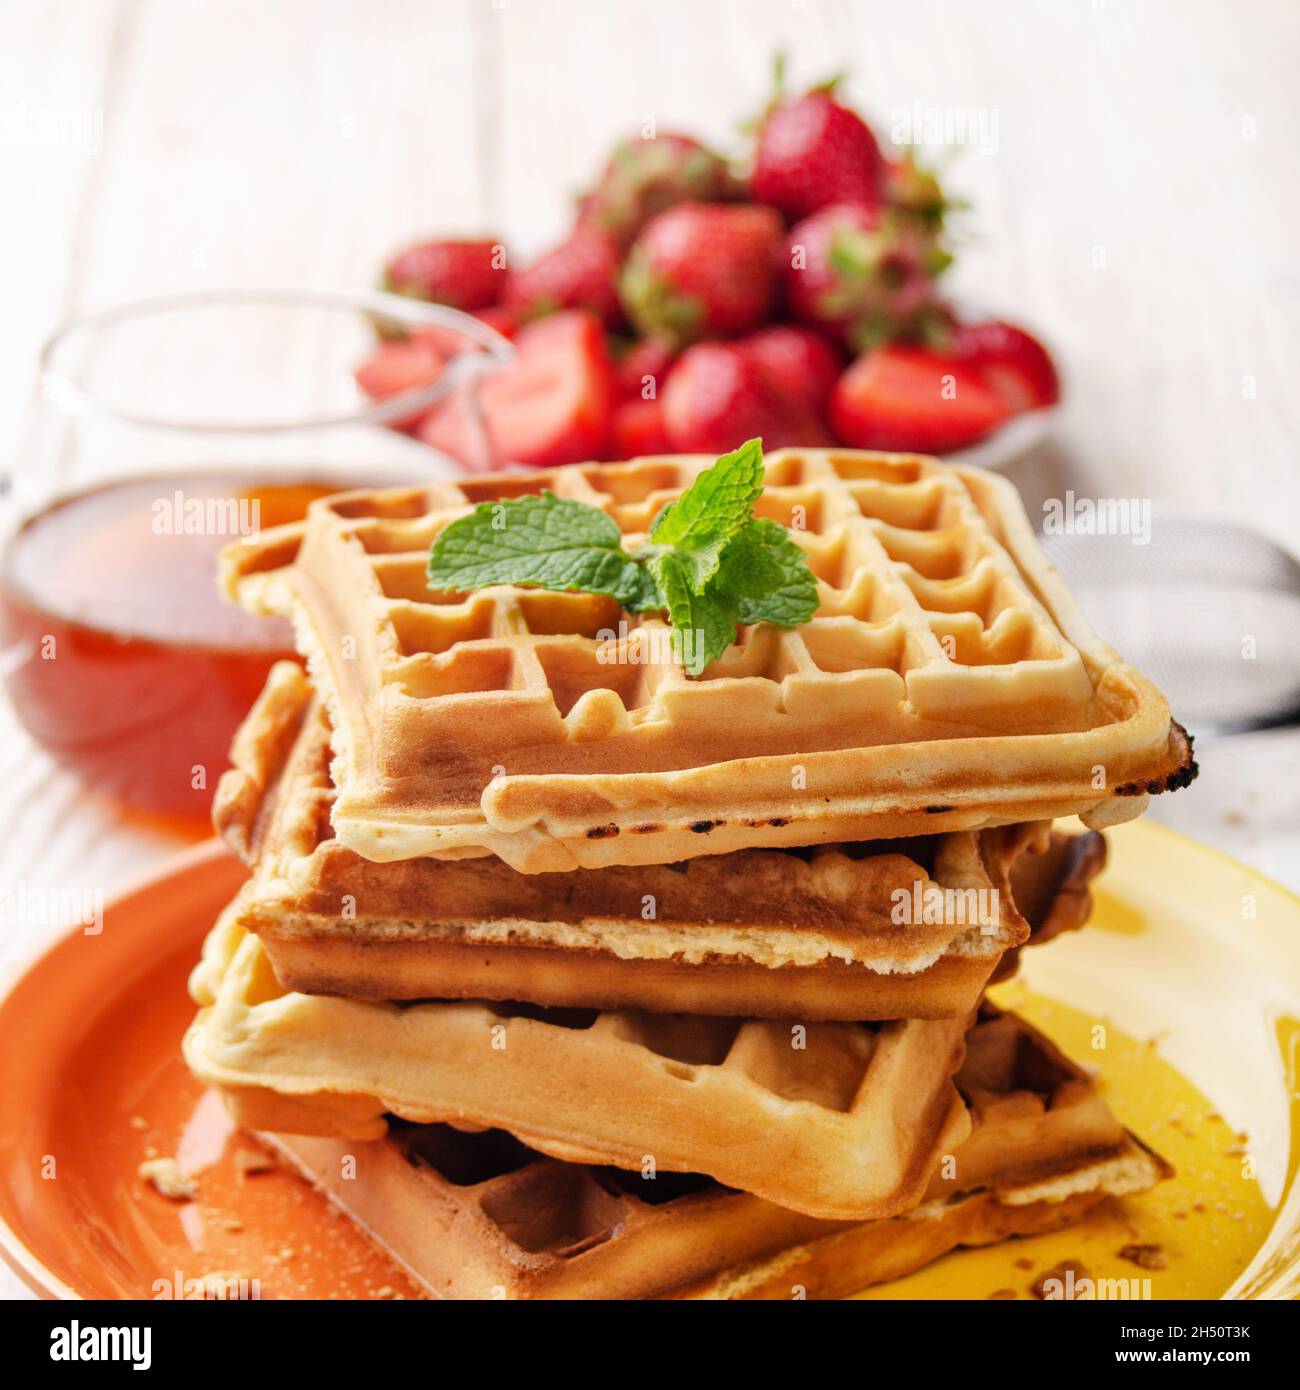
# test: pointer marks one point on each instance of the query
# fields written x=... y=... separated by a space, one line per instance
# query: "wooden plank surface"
x=1134 y=196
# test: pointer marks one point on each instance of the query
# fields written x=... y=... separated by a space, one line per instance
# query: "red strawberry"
x=644 y=369
x=917 y=192
x=812 y=151
x=1011 y=363
x=464 y=274
x=505 y=319
x=640 y=428
x=553 y=404
x=813 y=247
x=702 y=270
x=717 y=397
x=800 y=362
x=580 y=273
x=864 y=275
x=450 y=342
x=395 y=367
x=907 y=398
x=398 y=366
x=646 y=176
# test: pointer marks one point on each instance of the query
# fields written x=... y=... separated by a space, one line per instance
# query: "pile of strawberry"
x=689 y=310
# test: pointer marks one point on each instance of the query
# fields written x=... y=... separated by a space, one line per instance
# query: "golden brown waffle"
x=766 y=933
x=482 y=1216
x=947 y=681
x=835 y=1119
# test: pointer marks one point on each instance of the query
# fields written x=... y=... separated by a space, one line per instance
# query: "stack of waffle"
x=566 y=975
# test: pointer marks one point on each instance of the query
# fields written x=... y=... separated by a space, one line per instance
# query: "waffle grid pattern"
x=834 y=1119
x=946 y=673
x=919 y=601
x=736 y=934
x=519 y=1225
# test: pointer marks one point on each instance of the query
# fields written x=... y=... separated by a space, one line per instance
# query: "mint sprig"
x=544 y=541
x=708 y=563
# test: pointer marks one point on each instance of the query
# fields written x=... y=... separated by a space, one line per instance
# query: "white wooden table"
x=1134 y=192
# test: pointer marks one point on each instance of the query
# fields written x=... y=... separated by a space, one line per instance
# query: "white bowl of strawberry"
x=691 y=308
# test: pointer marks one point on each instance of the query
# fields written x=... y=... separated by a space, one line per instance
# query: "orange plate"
x=93 y=1084
x=1187 y=1003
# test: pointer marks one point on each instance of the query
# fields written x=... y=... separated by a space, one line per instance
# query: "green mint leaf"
x=715 y=506
x=642 y=593
x=751 y=563
x=708 y=563
x=547 y=542
x=704 y=625
x=767 y=574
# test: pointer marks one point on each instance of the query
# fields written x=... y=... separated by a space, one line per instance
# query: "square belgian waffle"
x=947 y=680
x=833 y=1119
x=483 y=1216
x=761 y=932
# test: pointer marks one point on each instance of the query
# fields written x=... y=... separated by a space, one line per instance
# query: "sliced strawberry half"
x=402 y=365
x=552 y=405
x=908 y=398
